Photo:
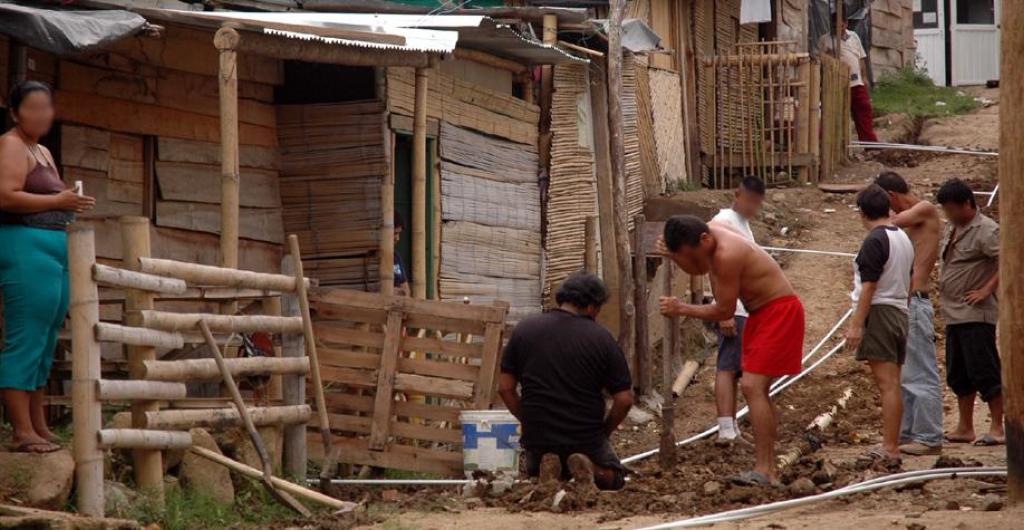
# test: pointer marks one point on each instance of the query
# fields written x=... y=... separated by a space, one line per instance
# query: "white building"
x=958 y=40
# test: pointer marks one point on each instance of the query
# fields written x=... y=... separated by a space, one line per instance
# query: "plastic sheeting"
x=66 y=32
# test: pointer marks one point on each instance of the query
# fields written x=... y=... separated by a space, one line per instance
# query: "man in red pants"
x=853 y=56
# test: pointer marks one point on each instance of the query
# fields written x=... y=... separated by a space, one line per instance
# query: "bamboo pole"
x=126 y=390
x=226 y=417
x=814 y=120
x=133 y=336
x=126 y=279
x=1011 y=257
x=802 y=118
x=147 y=464
x=254 y=435
x=187 y=370
x=254 y=473
x=310 y=343
x=85 y=371
x=618 y=163
x=197 y=274
x=667 y=454
x=419 y=186
x=138 y=439
x=226 y=40
x=643 y=347
x=166 y=321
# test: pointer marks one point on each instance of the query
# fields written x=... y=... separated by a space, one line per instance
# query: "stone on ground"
x=38 y=480
x=201 y=475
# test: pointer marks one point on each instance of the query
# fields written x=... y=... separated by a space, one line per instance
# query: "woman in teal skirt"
x=35 y=211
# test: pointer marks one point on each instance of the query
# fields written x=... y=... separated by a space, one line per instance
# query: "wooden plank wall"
x=572 y=191
x=149 y=106
x=669 y=134
x=332 y=166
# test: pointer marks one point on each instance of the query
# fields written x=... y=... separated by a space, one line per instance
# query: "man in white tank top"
x=881 y=296
x=748 y=200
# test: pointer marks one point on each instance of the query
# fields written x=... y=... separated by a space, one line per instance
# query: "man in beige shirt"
x=967 y=287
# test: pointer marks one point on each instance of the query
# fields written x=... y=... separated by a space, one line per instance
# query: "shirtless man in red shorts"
x=774 y=335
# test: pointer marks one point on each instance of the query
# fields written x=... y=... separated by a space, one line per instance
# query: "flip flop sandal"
x=27 y=448
x=877 y=454
x=955 y=440
x=751 y=478
x=987 y=441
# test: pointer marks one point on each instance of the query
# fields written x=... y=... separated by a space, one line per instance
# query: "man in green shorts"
x=881 y=296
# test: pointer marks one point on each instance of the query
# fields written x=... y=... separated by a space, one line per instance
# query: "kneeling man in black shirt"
x=564 y=361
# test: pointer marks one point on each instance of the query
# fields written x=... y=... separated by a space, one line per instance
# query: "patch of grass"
x=910 y=91
x=686 y=185
x=188 y=510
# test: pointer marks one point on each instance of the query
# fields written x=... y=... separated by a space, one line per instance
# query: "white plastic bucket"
x=490 y=441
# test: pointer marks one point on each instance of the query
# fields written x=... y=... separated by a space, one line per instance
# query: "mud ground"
x=798 y=217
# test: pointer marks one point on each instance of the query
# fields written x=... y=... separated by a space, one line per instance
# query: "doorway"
x=403 y=208
x=974 y=41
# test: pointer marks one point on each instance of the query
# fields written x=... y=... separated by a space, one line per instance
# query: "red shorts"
x=773 y=338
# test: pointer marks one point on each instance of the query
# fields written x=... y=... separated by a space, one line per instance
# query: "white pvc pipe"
x=992 y=197
x=804 y=251
x=393 y=482
x=780 y=384
x=924 y=148
x=870 y=485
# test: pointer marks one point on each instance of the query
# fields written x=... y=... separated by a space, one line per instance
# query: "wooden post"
x=293 y=388
x=85 y=372
x=667 y=453
x=146 y=463
x=547 y=77
x=618 y=158
x=1011 y=255
x=590 y=238
x=814 y=121
x=386 y=249
x=643 y=347
x=226 y=40
x=801 y=118
x=419 y=186
x=310 y=343
x=272 y=307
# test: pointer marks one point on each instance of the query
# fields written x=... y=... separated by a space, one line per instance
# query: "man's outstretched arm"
x=507 y=384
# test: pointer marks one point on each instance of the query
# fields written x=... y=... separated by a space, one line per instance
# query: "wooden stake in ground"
x=643 y=368
x=667 y=454
x=147 y=464
x=226 y=40
x=419 y=186
x=1011 y=242
x=617 y=151
x=254 y=435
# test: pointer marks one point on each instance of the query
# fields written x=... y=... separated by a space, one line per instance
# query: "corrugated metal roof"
x=424 y=33
x=419 y=40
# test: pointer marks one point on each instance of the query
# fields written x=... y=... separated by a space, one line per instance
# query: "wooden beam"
x=1011 y=243
x=135 y=336
x=132 y=280
x=487 y=59
x=667 y=454
x=144 y=439
x=293 y=387
x=642 y=352
x=617 y=152
x=226 y=417
x=197 y=274
x=591 y=242
x=129 y=390
x=191 y=370
x=385 y=382
x=85 y=372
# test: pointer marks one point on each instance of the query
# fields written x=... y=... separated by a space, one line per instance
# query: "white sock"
x=726 y=428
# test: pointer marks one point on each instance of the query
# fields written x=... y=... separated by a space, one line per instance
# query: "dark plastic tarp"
x=66 y=32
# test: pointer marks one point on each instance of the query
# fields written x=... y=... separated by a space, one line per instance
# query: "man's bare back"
x=921 y=222
x=760 y=278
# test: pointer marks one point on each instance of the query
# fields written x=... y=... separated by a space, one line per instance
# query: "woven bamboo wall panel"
x=631 y=139
x=572 y=191
x=654 y=185
x=332 y=166
x=669 y=133
x=466 y=105
x=489 y=206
